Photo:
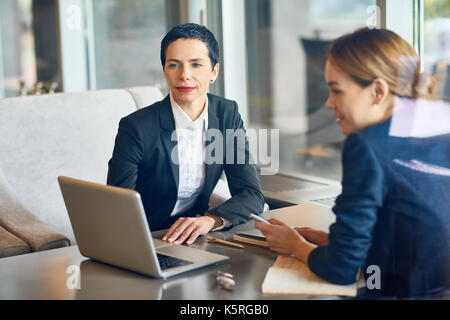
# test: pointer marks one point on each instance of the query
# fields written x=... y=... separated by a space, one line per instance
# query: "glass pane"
x=286 y=42
x=17 y=49
x=437 y=44
x=127 y=37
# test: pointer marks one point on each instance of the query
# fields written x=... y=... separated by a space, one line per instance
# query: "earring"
x=212 y=81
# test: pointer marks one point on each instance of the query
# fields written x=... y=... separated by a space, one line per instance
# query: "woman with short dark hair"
x=161 y=150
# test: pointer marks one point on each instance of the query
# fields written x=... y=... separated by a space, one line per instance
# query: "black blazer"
x=141 y=161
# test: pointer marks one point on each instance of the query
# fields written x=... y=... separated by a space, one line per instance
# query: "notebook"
x=289 y=275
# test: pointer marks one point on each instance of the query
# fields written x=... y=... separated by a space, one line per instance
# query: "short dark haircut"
x=191 y=31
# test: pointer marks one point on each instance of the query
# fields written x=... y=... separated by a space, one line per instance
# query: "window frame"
x=72 y=45
x=227 y=17
x=233 y=16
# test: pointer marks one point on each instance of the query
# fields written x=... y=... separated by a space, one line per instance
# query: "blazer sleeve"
x=128 y=154
x=350 y=237
x=243 y=180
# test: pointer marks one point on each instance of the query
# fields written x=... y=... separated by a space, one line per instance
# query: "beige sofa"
x=42 y=137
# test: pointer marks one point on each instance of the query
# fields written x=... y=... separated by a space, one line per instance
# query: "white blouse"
x=191 y=136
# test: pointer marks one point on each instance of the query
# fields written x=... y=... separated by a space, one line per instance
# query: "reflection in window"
x=437 y=44
x=286 y=42
x=127 y=37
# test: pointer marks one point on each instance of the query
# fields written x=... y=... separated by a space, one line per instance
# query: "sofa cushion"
x=145 y=96
x=69 y=134
x=10 y=245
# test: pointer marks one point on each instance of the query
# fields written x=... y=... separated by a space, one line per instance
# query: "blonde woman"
x=393 y=212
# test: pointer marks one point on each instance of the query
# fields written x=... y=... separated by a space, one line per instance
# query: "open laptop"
x=290 y=188
x=110 y=226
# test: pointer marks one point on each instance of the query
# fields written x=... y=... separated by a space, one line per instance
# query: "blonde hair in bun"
x=424 y=86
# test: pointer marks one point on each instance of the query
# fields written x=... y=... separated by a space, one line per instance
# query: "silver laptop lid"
x=110 y=226
x=102 y=232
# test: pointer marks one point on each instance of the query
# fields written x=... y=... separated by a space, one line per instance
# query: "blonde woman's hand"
x=279 y=236
x=314 y=236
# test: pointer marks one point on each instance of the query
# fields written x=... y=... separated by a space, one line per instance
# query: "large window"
x=437 y=44
x=286 y=42
x=73 y=45
x=127 y=36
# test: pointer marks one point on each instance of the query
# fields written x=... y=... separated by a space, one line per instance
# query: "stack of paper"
x=290 y=275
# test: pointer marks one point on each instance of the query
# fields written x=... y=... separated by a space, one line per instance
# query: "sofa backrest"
x=71 y=134
x=144 y=96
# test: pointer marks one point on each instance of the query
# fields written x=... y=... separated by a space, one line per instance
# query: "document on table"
x=290 y=275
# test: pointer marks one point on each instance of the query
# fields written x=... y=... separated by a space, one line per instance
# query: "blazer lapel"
x=210 y=169
x=167 y=123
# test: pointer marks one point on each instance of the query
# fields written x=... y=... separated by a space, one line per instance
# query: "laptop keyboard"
x=283 y=183
x=166 y=262
x=327 y=201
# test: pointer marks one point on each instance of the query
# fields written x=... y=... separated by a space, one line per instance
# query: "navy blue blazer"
x=141 y=161
x=394 y=212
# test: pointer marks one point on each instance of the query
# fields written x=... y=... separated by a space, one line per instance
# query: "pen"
x=232 y=244
x=258 y=218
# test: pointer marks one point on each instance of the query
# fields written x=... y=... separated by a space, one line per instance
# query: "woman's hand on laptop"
x=191 y=228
